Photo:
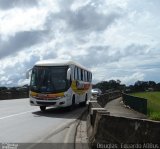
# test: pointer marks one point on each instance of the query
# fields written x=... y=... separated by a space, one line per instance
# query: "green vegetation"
x=153 y=100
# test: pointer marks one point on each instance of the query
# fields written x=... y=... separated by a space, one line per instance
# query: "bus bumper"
x=62 y=102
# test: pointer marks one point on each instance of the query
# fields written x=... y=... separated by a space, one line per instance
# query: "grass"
x=153 y=100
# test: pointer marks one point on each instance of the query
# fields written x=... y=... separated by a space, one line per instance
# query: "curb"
x=81 y=139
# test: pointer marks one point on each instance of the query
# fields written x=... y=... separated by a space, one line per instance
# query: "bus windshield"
x=49 y=79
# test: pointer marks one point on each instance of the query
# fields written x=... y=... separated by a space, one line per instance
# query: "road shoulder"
x=117 y=108
x=81 y=139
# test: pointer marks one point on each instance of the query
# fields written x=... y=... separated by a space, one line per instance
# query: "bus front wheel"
x=43 y=108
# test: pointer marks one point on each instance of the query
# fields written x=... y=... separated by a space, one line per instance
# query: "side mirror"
x=69 y=74
x=28 y=72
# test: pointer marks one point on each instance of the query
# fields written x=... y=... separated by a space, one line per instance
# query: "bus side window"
x=91 y=77
x=86 y=76
x=82 y=75
x=78 y=74
x=75 y=73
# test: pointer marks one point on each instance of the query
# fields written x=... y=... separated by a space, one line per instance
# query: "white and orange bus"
x=59 y=83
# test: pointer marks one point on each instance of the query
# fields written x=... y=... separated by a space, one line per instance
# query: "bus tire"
x=43 y=108
x=83 y=104
x=71 y=107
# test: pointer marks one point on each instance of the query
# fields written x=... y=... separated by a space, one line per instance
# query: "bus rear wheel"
x=71 y=107
x=83 y=104
x=43 y=108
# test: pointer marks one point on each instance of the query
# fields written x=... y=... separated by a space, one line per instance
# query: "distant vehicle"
x=59 y=84
x=96 y=91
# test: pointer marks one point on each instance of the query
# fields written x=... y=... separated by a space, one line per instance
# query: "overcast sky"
x=116 y=39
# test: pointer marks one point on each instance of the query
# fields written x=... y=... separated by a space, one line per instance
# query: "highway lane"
x=22 y=123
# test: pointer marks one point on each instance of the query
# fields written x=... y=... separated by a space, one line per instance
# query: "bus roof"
x=57 y=62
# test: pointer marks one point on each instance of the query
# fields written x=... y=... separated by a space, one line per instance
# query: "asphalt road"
x=22 y=123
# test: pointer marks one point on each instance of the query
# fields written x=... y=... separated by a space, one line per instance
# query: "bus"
x=59 y=83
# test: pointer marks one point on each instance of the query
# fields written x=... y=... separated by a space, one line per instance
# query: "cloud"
x=21 y=41
x=116 y=39
x=13 y=68
x=85 y=18
x=8 y=4
x=97 y=55
x=21 y=20
x=105 y=54
x=130 y=79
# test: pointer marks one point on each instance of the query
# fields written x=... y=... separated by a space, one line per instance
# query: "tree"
x=158 y=86
x=151 y=84
x=3 y=88
x=109 y=85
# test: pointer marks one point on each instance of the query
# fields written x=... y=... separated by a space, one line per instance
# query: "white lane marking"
x=1 y=118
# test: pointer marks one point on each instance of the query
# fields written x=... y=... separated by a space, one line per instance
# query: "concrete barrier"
x=13 y=95
x=94 y=112
x=136 y=103
x=93 y=104
x=107 y=131
x=122 y=131
x=93 y=107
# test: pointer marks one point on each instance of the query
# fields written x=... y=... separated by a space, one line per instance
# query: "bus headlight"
x=59 y=97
